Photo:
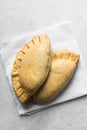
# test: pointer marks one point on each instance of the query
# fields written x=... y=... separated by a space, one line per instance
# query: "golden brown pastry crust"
x=63 y=65
x=31 y=67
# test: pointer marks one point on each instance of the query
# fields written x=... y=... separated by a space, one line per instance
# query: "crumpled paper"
x=61 y=38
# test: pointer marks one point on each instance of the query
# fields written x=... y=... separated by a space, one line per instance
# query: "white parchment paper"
x=61 y=38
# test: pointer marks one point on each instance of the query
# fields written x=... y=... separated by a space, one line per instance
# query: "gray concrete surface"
x=21 y=16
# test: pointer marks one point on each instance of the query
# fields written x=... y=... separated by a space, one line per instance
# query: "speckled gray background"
x=21 y=16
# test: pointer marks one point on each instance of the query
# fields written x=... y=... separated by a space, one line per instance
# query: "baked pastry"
x=63 y=65
x=31 y=67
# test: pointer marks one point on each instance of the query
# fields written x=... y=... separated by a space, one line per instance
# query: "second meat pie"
x=63 y=65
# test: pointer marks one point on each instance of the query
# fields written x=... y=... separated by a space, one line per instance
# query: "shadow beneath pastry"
x=27 y=104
